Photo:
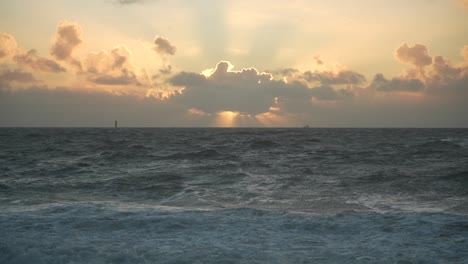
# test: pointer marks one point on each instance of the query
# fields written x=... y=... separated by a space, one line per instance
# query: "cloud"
x=341 y=76
x=38 y=106
x=17 y=75
x=328 y=93
x=193 y=98
x=439 y=73
x=32 y=60
x=287 y=72
x=188 y=79
x=444 y=68
x=8 y=46
x=163 y=46
x=380 y=83
x=225 y=90
x=318 y=60
x=129 y=2
x=10 y=50
x=67 y=38
x=166 y=69
x=447 y=79
x=335 y=78
x=113 y=67
x=246 y=91
x=464 y=52
x=418 y=55
x=114 y=80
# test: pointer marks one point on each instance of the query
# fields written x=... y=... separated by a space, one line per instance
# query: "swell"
x=200 y=155
x=96 y=233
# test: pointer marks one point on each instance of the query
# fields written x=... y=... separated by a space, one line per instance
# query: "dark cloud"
x=418 y=55
x=166 y=69
x=325 y=78
x=163 y=46
x=286 y=72
x=67 y=38
x=318 y=60
x=17 y=75
x=126 y=2
x=38 y=106
x=328 y=93
x=246 y=91
x=445 y=69
x=129 y=2
x=447 y=79
x=188 y=79
x=35 y=62
x=380 y=83
x=114 y=80
x=243 y=91
x=335 y=78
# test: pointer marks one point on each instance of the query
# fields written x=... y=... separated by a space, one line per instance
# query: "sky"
x=223 y=63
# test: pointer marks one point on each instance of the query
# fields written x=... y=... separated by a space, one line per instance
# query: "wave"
x=4 y=187
x=123 y=155
x=436 y=146
x=95 y=233
x=262 y=144
x=459 y=181
x=200 y=155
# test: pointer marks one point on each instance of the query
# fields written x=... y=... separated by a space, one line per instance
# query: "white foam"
x=400 y=203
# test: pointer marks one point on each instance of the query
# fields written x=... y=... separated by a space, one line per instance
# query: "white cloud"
x=114 y=67
x=8 y=46
x=464 y=52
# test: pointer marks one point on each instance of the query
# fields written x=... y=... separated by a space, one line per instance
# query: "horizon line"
x=235 y=127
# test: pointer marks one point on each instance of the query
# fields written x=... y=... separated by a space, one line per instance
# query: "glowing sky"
x=357 y=63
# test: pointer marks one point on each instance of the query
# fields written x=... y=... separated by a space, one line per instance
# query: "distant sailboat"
x=306 y=126
x=115 y=124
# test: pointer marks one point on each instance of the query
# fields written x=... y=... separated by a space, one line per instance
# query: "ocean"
x=233 y=195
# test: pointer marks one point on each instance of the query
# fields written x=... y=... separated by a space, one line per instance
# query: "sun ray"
x=226 y=119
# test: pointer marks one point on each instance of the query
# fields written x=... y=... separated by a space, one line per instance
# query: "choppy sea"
x=237 y=195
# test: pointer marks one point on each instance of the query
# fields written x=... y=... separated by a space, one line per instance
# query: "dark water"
x=233 y=195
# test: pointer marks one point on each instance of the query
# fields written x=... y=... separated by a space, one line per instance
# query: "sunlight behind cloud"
x=226 y=119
